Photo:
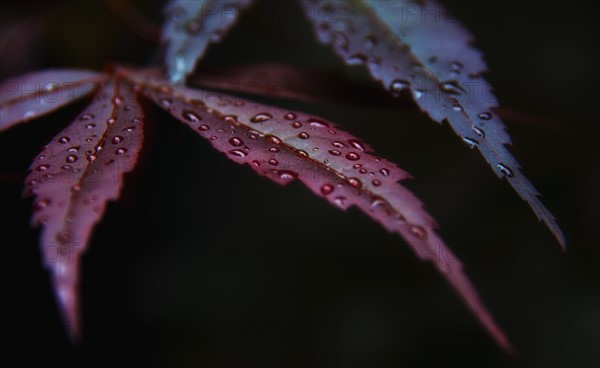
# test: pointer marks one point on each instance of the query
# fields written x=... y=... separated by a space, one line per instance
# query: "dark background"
x=204 y=264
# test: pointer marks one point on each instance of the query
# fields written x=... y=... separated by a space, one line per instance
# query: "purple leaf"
x=32 y=95
x=190 y=26
x=415 y=47
x=73 y=178
x=288 y=145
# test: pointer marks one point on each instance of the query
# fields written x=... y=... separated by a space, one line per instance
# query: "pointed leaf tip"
x=285 y=145
x=430 y=57
x=73 y=178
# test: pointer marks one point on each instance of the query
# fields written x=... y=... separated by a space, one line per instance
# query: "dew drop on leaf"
x=236 y=142
x=117 y=139
x=238 y=153
x=64 y=140
x=505 y=170
x=296 y=124
x=90 y=126
x=355 y=182
x=86 y=117
x=353 y=156
x=376 y=183
x=273 y=139
x=262 y=117
x=335 y=152
x=479 y=132
x=41 y=204
x=470 y=142
x=203 y=127
x=274 y=149
x=417 y=231
x=165 y=102
x=385 y=172
x=338 y=144
x=398 y=85
x=357 y=144
x=485 y=116
x=42 y=168
x=317 y=123
x=71 y=158
x=303 y=135
x=190 y=116
x=121 y=151
x=290 y=116
x=273 y=162
x=327 y=189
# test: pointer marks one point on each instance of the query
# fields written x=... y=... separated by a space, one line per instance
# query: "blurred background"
x=203 y=263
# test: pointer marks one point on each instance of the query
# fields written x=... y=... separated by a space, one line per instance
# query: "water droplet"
x=327 y=189
x=252 y=136
x=362 y=171
x=71 y=158
x=90 y=126
x=357 y=166
x=203 y=127
x=385 y=172
x=129 y=129
x=286 y=175
x=290 y=116
x=303 y=135
x=457 y=107
x=73 y=149
x=91 y=158
x=357 y=144
x=64 y=140
x=213 y=138
x=232 y=119
x=505 y=170
x=470 y=142
x=88 y=140
x=317 y=123
x=121 y=151
x=117 y=139
x=256 y=163
x=398 y=85
x=340 y=201
x=236 y=142
x=376 y=183
x=338 y=144
x=135 y=120
x=262 y=117
x=85 y=117
x=353 y=156
x=302 y=153
x=485 y=116
x=110 y=121
x=41 y=204
x=117 y=100
x=165 y=102
x=42 y=168
x=331 y=131
x=273 y=162
x=296 y=124
x=456 y=66
x=66 y=167
x=190 y=116
x=453 y=88
x=355 y=182
x=417 y=231
x=238 y=153
x=273 y=139
x=42 y=157
x=479 y=131
x=335 y=152
x=274 y=149
x=76 y=188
